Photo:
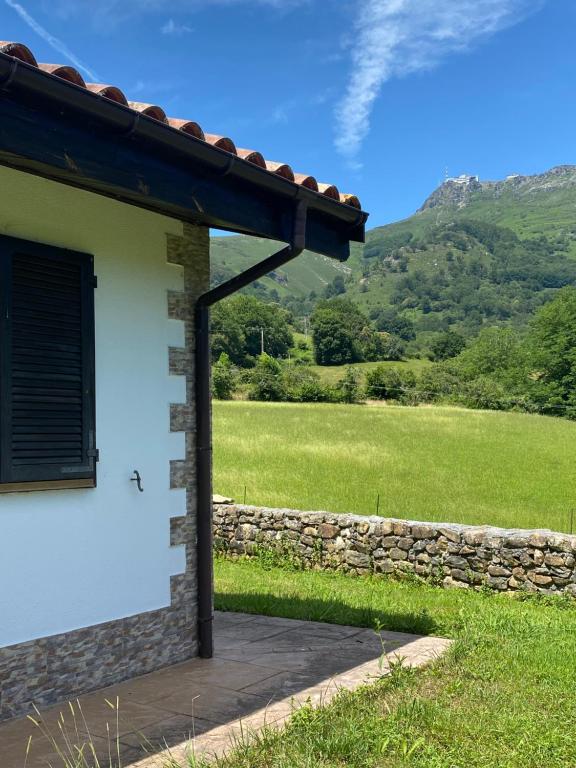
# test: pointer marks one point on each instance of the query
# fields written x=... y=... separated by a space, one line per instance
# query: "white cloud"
x=175 y=30
x=52 y=41
x=396 y=37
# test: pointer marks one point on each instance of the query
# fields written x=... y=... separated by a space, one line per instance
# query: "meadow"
x=503 y=697
x=331 y=374
x=426 y=463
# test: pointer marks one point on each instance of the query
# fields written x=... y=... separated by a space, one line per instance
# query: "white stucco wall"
x=71 y=559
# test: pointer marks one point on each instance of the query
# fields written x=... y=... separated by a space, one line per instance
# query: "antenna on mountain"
x=445 y=174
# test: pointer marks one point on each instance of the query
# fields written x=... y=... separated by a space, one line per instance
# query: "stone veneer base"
x=52 y=669
x=58 y=668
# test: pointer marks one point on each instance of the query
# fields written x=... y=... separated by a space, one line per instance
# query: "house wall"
x=99 y=584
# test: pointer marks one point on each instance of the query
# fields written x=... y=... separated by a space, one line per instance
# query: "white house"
x=105 y=497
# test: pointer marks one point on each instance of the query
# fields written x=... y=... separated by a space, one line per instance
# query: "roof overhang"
x=55 y=129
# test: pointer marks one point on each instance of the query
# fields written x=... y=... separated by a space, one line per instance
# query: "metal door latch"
x=138 y=480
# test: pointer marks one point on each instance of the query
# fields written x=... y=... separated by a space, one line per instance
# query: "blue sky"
x=376 y=96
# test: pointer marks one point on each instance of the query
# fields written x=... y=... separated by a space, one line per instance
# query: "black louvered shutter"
x=47 y=429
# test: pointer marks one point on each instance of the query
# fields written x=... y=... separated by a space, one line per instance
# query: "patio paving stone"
x=263 y=668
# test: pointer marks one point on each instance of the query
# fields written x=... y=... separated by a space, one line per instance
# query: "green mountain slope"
x=476 y=253
x=310 y=272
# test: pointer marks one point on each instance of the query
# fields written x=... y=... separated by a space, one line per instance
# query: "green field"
x=431 y=463
x=504 y=697
x=331 y=374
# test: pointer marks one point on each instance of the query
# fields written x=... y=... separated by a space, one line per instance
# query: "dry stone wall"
x=448 y=554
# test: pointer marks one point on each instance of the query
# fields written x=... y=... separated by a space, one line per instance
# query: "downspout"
x=204 y=422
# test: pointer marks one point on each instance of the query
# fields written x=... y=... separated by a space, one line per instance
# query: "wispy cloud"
x=397 y=37
x=280 y=114
x=174 y=29
x=52 y=41
x=105 y=14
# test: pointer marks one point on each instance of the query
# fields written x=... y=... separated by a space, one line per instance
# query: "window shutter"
x=47 y=427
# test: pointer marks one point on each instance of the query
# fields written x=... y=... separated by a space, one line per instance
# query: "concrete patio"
x=263 y=667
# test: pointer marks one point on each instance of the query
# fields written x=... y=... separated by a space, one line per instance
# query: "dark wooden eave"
x=55 y=129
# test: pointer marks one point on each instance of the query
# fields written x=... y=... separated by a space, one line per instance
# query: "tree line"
x=533 y=370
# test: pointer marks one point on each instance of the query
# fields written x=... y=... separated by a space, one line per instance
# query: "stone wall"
x=446 y=554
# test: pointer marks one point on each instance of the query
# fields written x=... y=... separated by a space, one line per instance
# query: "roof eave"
x=56 y=129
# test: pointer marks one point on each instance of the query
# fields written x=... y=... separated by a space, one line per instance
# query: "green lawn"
x=431 y=463
x=504 y=697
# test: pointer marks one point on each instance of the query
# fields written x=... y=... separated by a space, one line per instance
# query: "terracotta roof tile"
x=306 y=181
x=187 y=126
x=329 y=190
x=65 y=73
x=222 y=142
x=108 y=92
x=155 y=112
x=252 y=157
x=18 y=51
x=350 y=200
x=280 y=169
x=150 y=110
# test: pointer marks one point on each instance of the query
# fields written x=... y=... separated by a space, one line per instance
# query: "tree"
x=552 y=347
x=342 y=334
x=498 y=353
x=391 y=348
x=336 y=328
x=257 y=318
x=391 y=321
x=448 y=345
x=226 y=334
x=238 y=325
x=335 y=288
x=334 y=344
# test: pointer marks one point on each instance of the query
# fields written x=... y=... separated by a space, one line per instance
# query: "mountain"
x=476 y=253
x=309 y=272
x=530 y=205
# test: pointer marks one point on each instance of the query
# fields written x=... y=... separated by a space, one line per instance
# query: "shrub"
x=302 y=385
x=224 y=378
x=389 y=383
x=267 y=382
x=483 y=392
x=349 y=386
x=437 y=383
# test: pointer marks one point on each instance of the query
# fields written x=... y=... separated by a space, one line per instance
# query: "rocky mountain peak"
x=457 y=192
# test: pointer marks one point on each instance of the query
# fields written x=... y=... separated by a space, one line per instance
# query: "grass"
x=504 y=697
x=330 y=374
x=436 y=463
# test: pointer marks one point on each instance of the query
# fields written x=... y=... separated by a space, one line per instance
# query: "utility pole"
x=261 y=341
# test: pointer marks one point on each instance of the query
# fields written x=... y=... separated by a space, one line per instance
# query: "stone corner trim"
x=447 y=554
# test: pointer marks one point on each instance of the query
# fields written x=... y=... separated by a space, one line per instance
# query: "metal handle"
x=138 y=480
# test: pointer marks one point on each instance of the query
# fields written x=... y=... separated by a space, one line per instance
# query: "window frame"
x=40 y=477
